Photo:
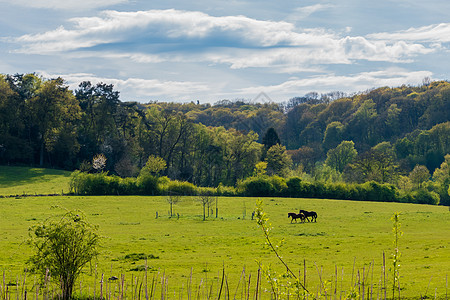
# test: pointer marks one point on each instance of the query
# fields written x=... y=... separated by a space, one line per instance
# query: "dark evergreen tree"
x=270 y=138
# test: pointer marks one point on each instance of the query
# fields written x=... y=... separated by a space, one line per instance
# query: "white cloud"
x=346 y=83
x=361 y=48
x=114 y=26
x=142 y=88
x=301 y=13
x=439 y=33
x=66 y=4
x=252 y=43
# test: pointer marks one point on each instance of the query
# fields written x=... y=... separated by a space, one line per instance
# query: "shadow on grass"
x=17 y=176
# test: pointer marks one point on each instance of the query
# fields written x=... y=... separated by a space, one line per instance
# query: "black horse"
x=308 y=214
x=295 y=216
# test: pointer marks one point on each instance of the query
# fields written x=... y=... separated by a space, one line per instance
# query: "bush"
x=90 y=184
x=63 y=246
x=147 y=184
x=279 y=186
x=206 y=191
x=426 y=197
x=263 y=186
x=294 y=187
x=257 y=186
x=102 y=184
x=223 y=190
x=176 y=187
x=375 y=191
x=127 y=186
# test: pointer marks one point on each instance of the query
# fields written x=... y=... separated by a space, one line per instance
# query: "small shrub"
x=375 y=191
x=208 y=191
x=89 y=184
x=127 y=186
x=279 y=186
x=294 y=187
x=256 y=186
x=139 y=256
x=426 y=197
x=63 y=246
x=147 y=184
x=223 y=190
x=179 y=188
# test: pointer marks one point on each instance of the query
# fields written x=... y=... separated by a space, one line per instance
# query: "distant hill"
x=414 y=120
x=44 y=123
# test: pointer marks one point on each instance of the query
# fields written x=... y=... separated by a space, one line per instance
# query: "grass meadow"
x=31 y=181
x=343 y=248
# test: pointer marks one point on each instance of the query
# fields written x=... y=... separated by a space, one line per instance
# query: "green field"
x=31 y=181
x=349 y=239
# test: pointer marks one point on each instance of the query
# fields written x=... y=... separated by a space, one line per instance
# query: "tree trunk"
x=41 y=154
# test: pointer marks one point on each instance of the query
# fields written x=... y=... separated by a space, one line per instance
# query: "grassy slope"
x=346 y=232
x=23 y=180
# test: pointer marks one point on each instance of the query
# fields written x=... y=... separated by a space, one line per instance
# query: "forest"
x=399 y=136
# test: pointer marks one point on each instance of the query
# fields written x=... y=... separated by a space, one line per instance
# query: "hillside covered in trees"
x=395 y=135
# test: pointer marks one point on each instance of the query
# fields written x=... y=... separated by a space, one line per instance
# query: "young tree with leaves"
x=342 y=155
x=63 y=246
x=278 y=161
x=419 y=175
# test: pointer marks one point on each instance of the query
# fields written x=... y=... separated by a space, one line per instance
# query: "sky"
x=210 y=50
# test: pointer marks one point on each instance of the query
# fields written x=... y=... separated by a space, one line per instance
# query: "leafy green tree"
x=342 y=155
x=206 y=157
x=419 y=175
x=372 y=165
x=55 y=111
x=278 y=161
x=361 y=127
x=63 y=246
x=404 y=183
x=154 y=165
x=99 y=103
x=325 y=173
x=441 y=177
x=333 y=135
x=240 y=153
x=17 y=132
x=393 y=120
x=261 y=168
x=437 y=110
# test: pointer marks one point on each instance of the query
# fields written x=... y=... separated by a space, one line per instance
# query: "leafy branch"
x=263 y=222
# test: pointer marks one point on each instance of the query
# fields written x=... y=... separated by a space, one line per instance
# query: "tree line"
x=385 y=135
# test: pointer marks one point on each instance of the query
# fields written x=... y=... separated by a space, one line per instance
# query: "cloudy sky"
x=208 y=50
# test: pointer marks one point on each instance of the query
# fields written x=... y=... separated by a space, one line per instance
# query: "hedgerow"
x=256 y=186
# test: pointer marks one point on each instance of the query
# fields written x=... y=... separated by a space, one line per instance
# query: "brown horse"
x=295 y=216
x=308 y=214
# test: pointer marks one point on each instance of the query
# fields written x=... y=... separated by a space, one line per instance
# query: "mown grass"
x=349 y=238
x=31 y=181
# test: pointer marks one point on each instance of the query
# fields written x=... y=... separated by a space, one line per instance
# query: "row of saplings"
x=303 y=215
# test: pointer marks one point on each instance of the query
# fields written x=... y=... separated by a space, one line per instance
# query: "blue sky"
x=178 y=50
